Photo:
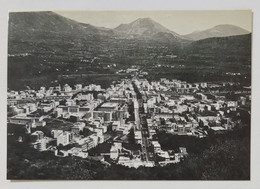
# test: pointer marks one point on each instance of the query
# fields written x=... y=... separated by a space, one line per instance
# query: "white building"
x=156 y=146
x=138 y=137
x=64 y=138
x=55 y=133
x=115 y=149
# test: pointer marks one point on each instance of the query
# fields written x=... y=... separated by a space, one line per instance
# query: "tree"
x=131 y=136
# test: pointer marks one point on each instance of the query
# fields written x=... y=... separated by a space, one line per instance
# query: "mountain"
x=234 y=50
x=27 y=29
x=25 y=24
x=40 y=30
x=47 y=47
x=217 y=31
x=146 y=28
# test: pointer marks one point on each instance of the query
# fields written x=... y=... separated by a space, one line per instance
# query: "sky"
x=182 y=22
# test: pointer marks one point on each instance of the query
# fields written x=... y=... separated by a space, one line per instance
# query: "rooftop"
x=109 y=105
x=217 y=128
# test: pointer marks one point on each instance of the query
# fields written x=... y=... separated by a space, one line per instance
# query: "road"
x=142 y=124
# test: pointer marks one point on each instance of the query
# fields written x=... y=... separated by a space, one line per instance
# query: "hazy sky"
x=182 y=22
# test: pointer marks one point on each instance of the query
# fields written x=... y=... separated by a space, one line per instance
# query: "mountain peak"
x=224 y=25
x=222 y=30
x=230 y=27
x=144 y=20
x=147 y=23
x=144 y=28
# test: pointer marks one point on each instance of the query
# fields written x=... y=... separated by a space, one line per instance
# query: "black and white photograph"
x=129 y=95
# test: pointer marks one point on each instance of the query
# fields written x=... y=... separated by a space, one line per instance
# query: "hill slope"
x=232 y=45
x=47 y=28
x=25 y=24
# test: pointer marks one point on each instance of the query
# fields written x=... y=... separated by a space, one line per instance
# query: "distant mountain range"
x=44 y=25
x=217 y=31
x=45 y=46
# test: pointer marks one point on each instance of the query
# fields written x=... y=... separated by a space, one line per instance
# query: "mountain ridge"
x=46 y=21
x=41 y=24
x=45 y=45
x=221 y=30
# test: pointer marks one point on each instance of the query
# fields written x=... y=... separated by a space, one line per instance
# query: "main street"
x=142 y=123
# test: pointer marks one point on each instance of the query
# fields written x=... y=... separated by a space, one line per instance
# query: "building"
x=75 y=151
x=78 y=87
x=138 y=137
x=78 y=127
x=109 y=106
x=36 y=136
x=41 y=145
x=89 y=142
x=114 y=153
x=24 y=120
x=107 y=116
x=67 y=88
x=114 y=150
x=64 y=138
x=156 y=146
x=55 y=133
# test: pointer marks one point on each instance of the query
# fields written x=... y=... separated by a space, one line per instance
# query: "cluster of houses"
x=186 y=113
x=94 y=116
x=90 y=109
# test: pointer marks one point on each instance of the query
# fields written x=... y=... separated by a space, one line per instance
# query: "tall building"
x=64 y=138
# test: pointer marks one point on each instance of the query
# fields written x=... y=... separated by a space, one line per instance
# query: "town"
x=120 y=124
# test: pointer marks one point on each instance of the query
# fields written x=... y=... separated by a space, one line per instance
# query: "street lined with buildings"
x=120 y=124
